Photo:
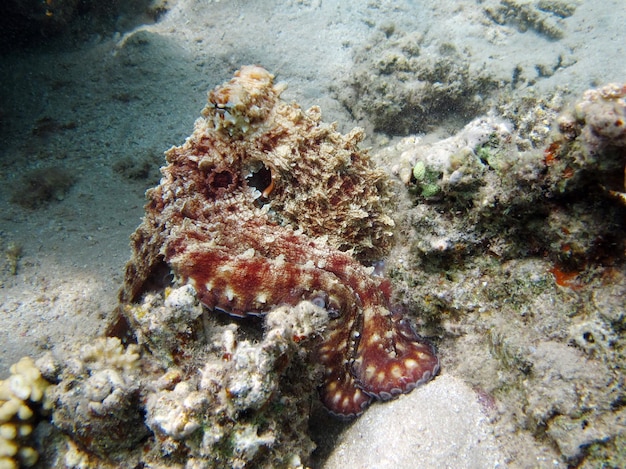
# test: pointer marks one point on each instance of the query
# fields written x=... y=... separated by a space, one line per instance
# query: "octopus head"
x=243 y=103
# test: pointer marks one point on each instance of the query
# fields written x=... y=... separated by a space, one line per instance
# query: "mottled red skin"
x=361 y=300
x=206 y=223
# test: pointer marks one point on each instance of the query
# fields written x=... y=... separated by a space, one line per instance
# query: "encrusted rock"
x=96 y=401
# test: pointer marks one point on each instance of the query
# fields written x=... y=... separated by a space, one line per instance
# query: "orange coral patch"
x=565 y=278
x=550 y=153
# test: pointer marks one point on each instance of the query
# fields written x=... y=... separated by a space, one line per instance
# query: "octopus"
x=265 y=205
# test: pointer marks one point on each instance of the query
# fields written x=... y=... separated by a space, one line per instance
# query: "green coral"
x=426 y=180
x=490 y=154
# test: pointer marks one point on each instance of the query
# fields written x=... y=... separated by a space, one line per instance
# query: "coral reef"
x=511 y=248
x=509 y=177
x=22 y=397
x=263 y=211
x=257 y=209
x=246 y=402
x=593 y=136
x=401 y=85
x=514 y=254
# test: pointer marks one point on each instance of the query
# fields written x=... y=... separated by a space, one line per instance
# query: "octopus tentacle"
x=391 y=358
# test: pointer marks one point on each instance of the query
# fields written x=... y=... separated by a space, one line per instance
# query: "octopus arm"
x=391 y=358
x=341 y=396
x=339 y=392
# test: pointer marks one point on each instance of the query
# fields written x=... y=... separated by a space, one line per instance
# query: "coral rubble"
x=593 y=137
x=544 y=17
x=41 y=186
x=219 y=401
x=96 y=400
x=509 y=176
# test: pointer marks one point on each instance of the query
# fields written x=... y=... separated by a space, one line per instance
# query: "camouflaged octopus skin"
x=265 y=205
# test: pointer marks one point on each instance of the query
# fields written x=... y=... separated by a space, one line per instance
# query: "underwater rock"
x=591 y=141
x=524 y=186
x=515 y=257
x=439 y=422
x=96 y=400
x=263 y=206
x=219 y=400
x=603 y=111
x=229 y=401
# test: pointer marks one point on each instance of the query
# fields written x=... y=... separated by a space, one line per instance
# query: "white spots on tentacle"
x=345 y=400
x=400 y=348
x=411 y=364
x=225 y=268
x=396 y=371
x=358 y=395
x=373 y=340
x=347 y=403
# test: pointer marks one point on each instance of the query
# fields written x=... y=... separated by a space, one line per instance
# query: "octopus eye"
x=261 y=179
x=333 y=313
